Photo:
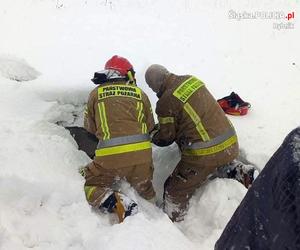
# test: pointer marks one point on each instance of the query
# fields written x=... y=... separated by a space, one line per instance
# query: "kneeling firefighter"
x=189 y=115
x=119 y=114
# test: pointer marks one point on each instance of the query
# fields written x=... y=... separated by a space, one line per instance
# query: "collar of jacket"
x=107 y=83
x=166 y=84
x=120 y=80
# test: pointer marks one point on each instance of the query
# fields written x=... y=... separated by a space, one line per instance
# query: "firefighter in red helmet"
x=120 y=64
x=119 y=114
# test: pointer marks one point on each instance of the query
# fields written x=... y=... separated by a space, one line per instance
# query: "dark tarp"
x=86 y=141
x=269 y=215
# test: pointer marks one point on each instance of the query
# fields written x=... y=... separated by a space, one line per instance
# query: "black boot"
x=120 y=204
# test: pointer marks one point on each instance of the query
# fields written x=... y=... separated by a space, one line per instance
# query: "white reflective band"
x=211 y=150
x=212 y=142
x=123 y=140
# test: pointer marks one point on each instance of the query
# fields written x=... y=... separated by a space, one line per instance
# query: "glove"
x=81 y=171
x=154 y=131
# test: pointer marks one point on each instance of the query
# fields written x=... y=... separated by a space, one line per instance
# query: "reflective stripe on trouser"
x=212 y=146
x=89 y=190
x=100 y=182
x=123 y=144
x=95 y=195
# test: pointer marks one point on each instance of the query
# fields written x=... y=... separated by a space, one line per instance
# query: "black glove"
x=82 y=172
x=154 y=131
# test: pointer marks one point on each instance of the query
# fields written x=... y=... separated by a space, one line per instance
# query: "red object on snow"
x=234 y=105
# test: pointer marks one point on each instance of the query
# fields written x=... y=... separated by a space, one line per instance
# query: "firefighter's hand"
x=154 y=131
x=81 y=171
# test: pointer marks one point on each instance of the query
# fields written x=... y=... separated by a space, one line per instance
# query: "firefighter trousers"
x=181 y=185
x=101 y=181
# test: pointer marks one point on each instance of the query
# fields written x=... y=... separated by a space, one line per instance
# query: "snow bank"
x=42 y=201
x=49 y=215
x=210 y=210
x=16 y=69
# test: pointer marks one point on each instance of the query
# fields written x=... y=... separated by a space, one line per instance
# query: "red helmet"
x=120 y=64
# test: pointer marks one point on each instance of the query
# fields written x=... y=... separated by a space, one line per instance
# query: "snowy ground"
x=49 y=51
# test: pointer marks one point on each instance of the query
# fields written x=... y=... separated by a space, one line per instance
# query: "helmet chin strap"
x=131 y=79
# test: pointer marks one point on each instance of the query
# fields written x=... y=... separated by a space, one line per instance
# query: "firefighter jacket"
x=189 y=115
x=120 y=116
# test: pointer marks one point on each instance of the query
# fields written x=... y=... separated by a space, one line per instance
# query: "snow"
x=296 y=149
x=49 y=51
x=16 y=69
